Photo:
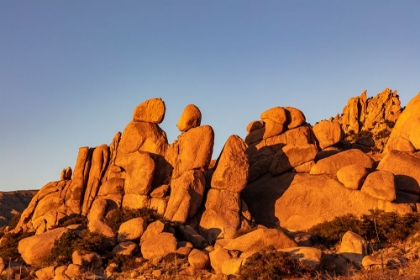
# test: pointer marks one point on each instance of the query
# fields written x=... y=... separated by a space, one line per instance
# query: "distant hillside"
x=13 y=202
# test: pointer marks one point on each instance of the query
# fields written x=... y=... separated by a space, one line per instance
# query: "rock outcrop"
x=13 y=203
x=404 y=136
x=285 y=174
x=367 y=122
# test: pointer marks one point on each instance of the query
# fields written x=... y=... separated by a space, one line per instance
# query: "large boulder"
x=140 y=168
x=327 y=133
x=406 y=127
x=406 y=169
x=141 y=136
x=295 y=117
x=35 y=249
x=231 y=171
x=190 y=118
x=380 y=184
x=261 y=239
x=195 y=149
x=152 y=111
x=131 y=230
x=298 y=201
x=352 y=176
x=158 y=246
x=276 y=114
x=332 y=164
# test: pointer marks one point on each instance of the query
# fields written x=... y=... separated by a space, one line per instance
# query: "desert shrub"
x=124 y=262
x=388 y=227
x=272 y=264
x=71 y=241
x=72 y=220
x=15 y=220
x=329 y=233
x=172 y=263
x=9 y=245
x=122 y=215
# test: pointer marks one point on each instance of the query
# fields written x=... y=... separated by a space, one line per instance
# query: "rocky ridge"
x=12 y=203
x=285 y=173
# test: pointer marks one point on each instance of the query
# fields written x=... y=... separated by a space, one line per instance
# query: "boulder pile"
x=284 y=177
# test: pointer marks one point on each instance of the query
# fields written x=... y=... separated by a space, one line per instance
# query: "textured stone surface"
x=327 y=133
x=352 y=176
x=221 y=218
x=407 y=125
x=332 y=164
x=131 y=230
x=36 y=248
x=158 y=246
x=261 y=239
x=152 y=110
x=190 y=118
x=198 y=259
x=405 y=167
x=231 y=171
x=291 y=156
x=186 y=196
x=380 y=184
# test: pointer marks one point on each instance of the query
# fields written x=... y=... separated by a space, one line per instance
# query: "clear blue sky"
x=71 y=72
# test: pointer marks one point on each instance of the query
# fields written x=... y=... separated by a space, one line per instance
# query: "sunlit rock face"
x=285 y=173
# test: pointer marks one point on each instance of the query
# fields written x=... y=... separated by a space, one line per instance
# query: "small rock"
x=157 y=273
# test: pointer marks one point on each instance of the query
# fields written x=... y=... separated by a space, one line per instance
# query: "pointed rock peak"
x=363 y=95
x=152 y=111
x=190 y=118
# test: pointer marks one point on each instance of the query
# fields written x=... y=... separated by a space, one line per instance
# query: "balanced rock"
x=190 y=118
x=152 y=111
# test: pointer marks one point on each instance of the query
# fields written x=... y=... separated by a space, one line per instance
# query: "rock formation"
x=285 y=173
x=367 y=122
